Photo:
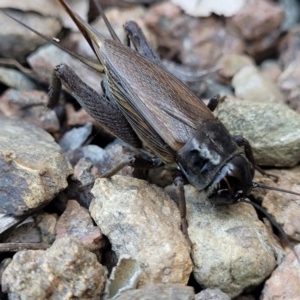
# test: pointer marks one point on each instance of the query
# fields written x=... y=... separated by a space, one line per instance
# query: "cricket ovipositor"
x=145 y=106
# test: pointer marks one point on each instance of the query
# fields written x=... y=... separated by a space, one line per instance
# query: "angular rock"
x=17 y=41
x=64 y=271
x=214 y=88
x=260 y=49
x=77 y=222
x=47 y=57
x=114 y=152
x=273 y=130
x=77 y=117
x=261 y=17
x=289 y=47
x=230 y=64
x=141 y=221
x=291 y=14
x=124 y=276
x=75 y=137
x=33 y=167
x=250 y=85
x=8 y=221
x=210 y=294
x=85 y=172
x=197 y=42
x=232 y=249
x=80 y=184
x=160 y=292
x=289 y=84
x=270 y=69
x=26 y=232
x=89 y=152
x=50 y=8
x=30 y=106
x=118 y=17
x=15 y=79
x=284 y=282
x=46 y=224
x=285 y=208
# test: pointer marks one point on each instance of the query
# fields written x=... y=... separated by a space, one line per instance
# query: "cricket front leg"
x=215 y=101
x=179 y=183
x=97 y=106
x=242 y=142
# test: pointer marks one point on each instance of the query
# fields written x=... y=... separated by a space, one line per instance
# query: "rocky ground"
x=66 y=233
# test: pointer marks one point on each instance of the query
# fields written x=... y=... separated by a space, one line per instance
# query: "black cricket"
x=147 y=107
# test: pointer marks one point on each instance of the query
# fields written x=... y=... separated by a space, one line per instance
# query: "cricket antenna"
x=108 y=25
x=257 y=185
x=275 y=224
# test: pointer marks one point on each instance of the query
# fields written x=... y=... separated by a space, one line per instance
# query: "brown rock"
x=141 y=221
x=29 y=106
x=47 y=57
x=33 y=166
x=80 y=117
x=250 y=85
x=284 y=282
x=264 y=47
x=289 y=84
x=114 y=152
x=77 y=222
x=17 y=41
x=271 y=70
x=160 y=292
x=285 y=207
x=198 y=42
x=257 y=19
x=289 y=47
x=230 y=64
x=50 y=8
x=15 y=79
x=205 y=42
x=85 y=172
x=46 y=224
x=66 y=270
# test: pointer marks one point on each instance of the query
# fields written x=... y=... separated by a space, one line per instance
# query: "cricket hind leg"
x=136 y=37
x=97 y=106
x=137 y=160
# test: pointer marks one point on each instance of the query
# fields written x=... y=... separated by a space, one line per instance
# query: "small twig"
x=15 y=63
x=14 y=247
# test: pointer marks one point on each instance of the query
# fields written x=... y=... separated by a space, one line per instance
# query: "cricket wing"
x=159 y=107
